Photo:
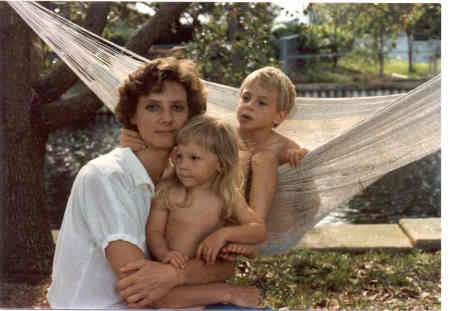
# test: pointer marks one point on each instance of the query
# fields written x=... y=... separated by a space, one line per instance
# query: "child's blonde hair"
x=220 y=138
x=273 y=78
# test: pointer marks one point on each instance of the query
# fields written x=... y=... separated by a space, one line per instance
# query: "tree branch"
x=59 y=80
x=161 y=22
x=61 y=113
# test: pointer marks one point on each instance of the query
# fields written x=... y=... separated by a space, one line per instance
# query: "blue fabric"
x=233 y=307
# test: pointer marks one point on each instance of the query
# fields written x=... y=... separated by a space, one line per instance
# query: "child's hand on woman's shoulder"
x=131 y=139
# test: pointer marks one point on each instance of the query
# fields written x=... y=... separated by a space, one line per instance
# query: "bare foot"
x=246 y=296
x=231 y=251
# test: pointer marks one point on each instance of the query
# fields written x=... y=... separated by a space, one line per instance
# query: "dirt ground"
x=23 y=295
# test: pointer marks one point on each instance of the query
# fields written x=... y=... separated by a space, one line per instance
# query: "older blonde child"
x=267 y=96
x=190 y=208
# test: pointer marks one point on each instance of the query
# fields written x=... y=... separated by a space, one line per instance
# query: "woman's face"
x=159 y=115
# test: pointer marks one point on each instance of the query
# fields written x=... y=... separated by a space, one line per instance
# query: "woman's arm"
x=150 y=280
x=119 y=253
x=142 y=286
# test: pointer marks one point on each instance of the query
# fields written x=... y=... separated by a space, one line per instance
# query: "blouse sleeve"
x=107 y=204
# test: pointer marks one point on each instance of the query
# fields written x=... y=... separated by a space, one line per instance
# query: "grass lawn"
x=352 y=69
x=306 y=280
x=376 y=280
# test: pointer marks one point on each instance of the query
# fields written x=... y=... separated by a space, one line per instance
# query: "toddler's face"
x=195 y=166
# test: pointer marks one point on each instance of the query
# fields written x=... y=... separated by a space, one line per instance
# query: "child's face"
x=195 y=166
x=258 y=107
x=160 y=115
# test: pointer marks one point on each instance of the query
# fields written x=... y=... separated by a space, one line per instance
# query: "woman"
x=100 y=255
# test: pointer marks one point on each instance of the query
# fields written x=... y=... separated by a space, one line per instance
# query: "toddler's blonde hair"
x=220 y=138
x=273 y=78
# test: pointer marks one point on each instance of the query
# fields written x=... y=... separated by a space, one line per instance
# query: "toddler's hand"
x=231 y=251
x=176 y=259
x=210 y=247
x=294 y=156
x=132 y=139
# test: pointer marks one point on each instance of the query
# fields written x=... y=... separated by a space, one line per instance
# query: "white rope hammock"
x=353 y=141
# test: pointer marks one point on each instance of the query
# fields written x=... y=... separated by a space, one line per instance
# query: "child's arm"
x=156 y=227
x=264 y=180
x=251 y=229
x=156 y=241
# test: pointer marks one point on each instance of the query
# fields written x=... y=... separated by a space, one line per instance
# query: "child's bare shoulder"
x=288 y=143
x=171 y=193
x=279 y=144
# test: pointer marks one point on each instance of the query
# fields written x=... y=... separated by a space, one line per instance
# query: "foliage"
x=123 y=21
x=354 y=68
x=333 y=21
x=234 y=41
x=374 y=26
x=429 y=22
x=313 y=39
x=305 y=279
x=379 y=26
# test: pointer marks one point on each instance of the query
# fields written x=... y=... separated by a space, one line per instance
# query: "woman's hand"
x=176 y=259
x=295 y=155
x=149 y=282
x=131 y=139
x=211 y=246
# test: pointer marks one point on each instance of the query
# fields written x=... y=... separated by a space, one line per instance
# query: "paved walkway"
x=422 y=233
x=408 y=234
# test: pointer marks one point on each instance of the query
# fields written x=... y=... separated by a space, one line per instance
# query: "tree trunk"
x=27 y=115
x=410 y=52
x=381 y=56
x=26 y=243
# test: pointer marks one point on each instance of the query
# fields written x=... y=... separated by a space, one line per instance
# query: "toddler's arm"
x=231 y=251
x=251 y=230
x=155 y=230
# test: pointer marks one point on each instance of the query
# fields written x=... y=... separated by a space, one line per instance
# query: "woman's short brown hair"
x=150 y=77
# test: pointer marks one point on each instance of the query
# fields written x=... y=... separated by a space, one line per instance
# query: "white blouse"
x=110 y=200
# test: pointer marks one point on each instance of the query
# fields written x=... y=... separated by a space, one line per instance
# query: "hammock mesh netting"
x=353 y=141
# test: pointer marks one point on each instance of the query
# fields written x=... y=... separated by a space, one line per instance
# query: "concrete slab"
x=424 y=233
x=356 y=238
x=55 y=235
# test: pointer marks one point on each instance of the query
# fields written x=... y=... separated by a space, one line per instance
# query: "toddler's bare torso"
x=188 y=227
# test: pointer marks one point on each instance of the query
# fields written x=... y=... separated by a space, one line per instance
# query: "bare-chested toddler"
x=191 y=207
